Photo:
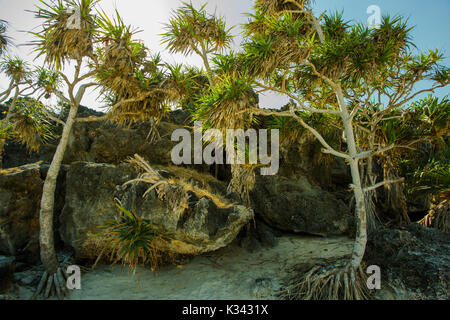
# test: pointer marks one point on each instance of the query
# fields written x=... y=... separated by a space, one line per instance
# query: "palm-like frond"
x=58 y=42
x=15 y=68
x=48 y=80
x=133 y=81
x=131 y=241
x=275 y=7
x=4 y=39
x=190 y=29
x=224 y=106
x=29 y=124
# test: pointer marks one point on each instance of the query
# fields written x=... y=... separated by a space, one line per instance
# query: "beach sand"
x=231 y=273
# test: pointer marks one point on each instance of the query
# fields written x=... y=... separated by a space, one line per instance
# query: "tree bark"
x=359 y=247
x=46 y=237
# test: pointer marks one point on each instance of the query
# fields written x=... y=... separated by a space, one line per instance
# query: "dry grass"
x=174 y=190
x=218 y=200
x=11 y=170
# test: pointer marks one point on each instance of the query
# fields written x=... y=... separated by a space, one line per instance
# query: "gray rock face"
x=295 y=205
x=414 y=262
x=107 y=143
x=91 y=189
x=20 y=195
x=20 y=192
x=7 y=265
x=101 y=143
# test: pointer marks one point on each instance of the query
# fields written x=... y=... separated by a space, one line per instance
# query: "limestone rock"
x=6 y=272
x=295 y=205
x=414 y=262
x=203 y=226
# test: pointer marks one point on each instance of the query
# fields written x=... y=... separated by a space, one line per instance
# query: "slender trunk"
x=204 y=56
x=47 y=247
x=359 y=247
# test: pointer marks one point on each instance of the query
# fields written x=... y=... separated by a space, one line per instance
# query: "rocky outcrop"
x=20 y=195
x=414 y=262
x=296 y=200
x=204 y=225
x=295 y=205
x=7 y=266
x=20 y=192
x=104 y=142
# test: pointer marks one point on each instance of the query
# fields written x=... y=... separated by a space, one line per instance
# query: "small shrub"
x=131 y=241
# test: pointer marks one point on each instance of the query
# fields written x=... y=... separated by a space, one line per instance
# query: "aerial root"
x=321 y=283
x=52 y=285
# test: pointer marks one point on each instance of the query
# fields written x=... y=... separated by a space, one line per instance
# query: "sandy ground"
x=231 y=273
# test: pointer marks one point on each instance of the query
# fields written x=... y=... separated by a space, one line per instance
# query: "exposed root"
x=153 y=135
x=52 y=285
x=326 y=282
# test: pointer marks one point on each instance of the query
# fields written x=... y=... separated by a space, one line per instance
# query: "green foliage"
x=291 y=130
x=56 y=42
x=432 y=177
x=4 y=39
x=427 y=168
x=48 y=80
x=132 y=240
x=224 y=105
x=29 y=124
x=193 y=30
x=136 y=83
x=15 y=68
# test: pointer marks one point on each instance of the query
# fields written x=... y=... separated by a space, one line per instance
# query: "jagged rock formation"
x=203 y=225
x=414 y=262
x=295 y=205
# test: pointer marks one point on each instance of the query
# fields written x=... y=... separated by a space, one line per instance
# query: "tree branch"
x=327 y=148
x=378 y=185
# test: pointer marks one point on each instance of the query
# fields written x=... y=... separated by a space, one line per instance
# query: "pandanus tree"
x=221 y=109
x=319 y=62
x=101 y=53
x=422 y=132
x=192 y=30
x=383 y=101
x=24 y=118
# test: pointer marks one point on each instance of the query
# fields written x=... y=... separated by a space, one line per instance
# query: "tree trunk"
x=46 y=238
x=359 y=247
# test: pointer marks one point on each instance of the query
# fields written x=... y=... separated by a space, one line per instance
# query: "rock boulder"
x=295 y=205
x=204 y=225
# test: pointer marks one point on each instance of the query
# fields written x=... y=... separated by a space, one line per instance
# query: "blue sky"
x=430 y=18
